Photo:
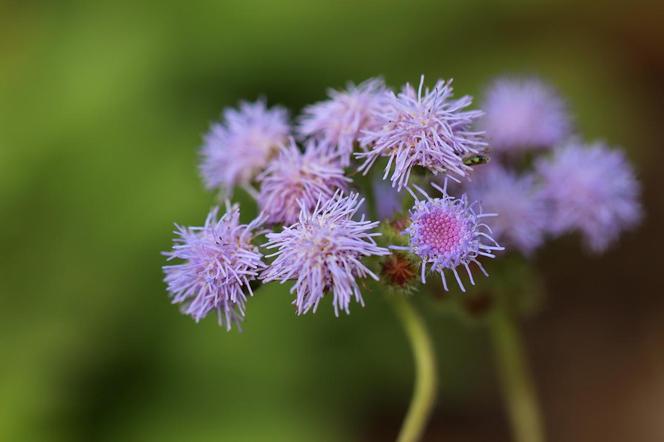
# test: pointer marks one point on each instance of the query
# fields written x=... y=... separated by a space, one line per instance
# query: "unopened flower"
x=339 y=121
x=239 y=147
x=591 y=189
x=426 y=128
x=388 y=201
x=523 y=114
x=448 y=232
x=295 y=181
x=521 y=212
x=399 y=270
x=322 y=252
x=219 y=262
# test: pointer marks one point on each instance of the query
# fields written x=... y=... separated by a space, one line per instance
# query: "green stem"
x=517 y=382
x=424 y=392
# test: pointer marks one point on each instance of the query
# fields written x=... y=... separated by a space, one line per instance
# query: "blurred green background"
x=102 y=107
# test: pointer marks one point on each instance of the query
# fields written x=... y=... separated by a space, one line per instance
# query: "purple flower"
x=388 y=201
x=522 y=214
x=238 y=148
x=523 y=114
x=446 y=233
x=592 y=189
x=295 y=181
x=339 y=121
x=219 y=262
x=322 y=252
x=424 y=128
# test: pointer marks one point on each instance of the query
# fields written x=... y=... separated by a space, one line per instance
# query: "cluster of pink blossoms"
x=314 y=222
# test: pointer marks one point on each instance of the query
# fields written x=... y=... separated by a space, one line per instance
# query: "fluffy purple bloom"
x=425 y=128
x=446 y=233
x=295 y=181
x=339 y=121
x=240 y=146
x=523 y=114
x=591 y=189
x=521 y=212
x=219 y=262
x=323 y=253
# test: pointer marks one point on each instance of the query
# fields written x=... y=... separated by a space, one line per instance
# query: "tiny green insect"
x=477 y=159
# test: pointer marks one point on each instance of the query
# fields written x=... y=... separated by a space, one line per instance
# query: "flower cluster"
x=315 y=231
x=426 y=128
x=523 y=114
x=340 y=121
x=570 y=186
x=599 y=198
x=521 y=213
x=297 y=180
x=219 y=265
x=238 y=148
x=322 y=252
x=447 y=233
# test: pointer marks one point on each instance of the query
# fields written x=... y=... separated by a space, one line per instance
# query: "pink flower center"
x=440 y=231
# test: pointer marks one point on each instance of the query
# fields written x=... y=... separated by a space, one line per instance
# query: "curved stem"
x=517 y=382
x=424 y=392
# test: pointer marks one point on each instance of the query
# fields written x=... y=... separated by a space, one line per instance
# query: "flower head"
x=522 y=214
x=219 y=262
x=446 y=233
x=238 y=148
x=339 y=121
x=591 y=189
x=295 y=181
x=426 y=128
x=323 y=253
x=524 y=114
